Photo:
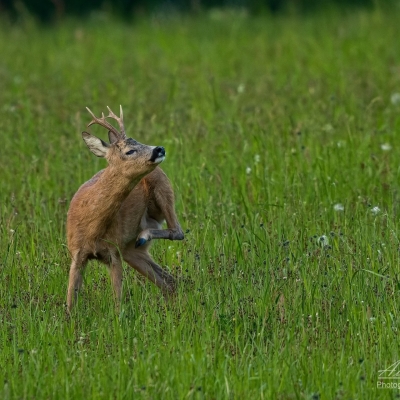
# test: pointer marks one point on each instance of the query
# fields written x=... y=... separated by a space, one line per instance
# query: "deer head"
x=133 y=158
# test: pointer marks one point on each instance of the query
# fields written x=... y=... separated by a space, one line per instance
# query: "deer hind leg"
x=75 y=280
x=140 y=260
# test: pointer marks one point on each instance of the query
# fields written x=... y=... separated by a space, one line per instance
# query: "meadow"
x=282 y=141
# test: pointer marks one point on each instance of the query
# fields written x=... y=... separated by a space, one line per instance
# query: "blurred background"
x=52 y=10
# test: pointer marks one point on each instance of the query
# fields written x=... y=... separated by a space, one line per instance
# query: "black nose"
x=157 y=152
x=160 y=151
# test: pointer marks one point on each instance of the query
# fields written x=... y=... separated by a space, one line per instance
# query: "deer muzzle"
x=158 y=154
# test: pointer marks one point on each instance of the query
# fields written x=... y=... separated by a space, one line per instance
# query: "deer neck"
x=114 y=187
x=111 y=190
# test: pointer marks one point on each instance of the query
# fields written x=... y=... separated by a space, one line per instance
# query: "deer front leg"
x=162 y=207
x=75 y=281
x=154 y=231
x=116 y=273
x=149 y=234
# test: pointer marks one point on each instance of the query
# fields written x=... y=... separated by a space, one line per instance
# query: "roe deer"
x=120 y=210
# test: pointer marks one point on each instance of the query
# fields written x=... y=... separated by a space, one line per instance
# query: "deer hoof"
x=140 y=242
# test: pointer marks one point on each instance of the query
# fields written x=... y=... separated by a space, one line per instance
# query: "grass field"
x=282 y=140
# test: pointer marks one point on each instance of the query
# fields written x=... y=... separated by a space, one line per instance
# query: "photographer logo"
x=389 y=378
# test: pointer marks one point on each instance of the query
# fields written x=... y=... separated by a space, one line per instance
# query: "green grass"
x=268 y=124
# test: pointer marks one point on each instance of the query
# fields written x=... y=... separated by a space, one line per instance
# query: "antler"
x=102 y=122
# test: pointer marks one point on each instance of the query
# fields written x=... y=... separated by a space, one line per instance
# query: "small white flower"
x=328 y=128
x=248 y=170
x=375 y=210
x=338 y=207
x=257 y=158
x=395 y=98
x=240 y=88
x=386 y=146
x=323 y=240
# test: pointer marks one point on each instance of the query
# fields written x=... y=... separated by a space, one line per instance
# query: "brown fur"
x=118 y=212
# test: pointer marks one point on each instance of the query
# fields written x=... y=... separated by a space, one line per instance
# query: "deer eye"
x=130 y=152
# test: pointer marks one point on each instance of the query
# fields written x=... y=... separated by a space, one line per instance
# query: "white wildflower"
x=395 y=98
x=386 y=146
x=248 y=170
x=328 y=128
x=338 y=207
x=323 y=240
x=375 y=210
x=240 y=88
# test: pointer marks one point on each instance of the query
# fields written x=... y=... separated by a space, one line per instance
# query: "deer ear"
x=112 y=137
x=96 y=145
